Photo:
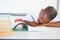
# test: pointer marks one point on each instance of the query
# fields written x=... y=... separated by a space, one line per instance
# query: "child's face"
x=43 y=18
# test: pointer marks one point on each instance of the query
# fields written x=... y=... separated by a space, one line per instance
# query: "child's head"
x=47 y=14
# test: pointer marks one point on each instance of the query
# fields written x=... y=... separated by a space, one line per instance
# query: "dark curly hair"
x=51 y=12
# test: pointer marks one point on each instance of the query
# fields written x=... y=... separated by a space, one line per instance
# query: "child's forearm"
x=50 y=24
x=31 y=23
x=53 y=24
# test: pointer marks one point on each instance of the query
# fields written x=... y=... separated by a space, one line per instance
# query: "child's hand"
x=31 y=23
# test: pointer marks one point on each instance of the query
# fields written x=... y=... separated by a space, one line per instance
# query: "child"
x=44 y=18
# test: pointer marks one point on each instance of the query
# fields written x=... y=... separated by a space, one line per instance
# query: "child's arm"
x=52 y=24
x=31 y=23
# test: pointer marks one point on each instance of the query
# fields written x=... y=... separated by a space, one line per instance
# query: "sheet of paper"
x=37 y=29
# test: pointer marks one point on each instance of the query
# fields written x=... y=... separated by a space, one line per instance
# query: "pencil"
x=32 y=18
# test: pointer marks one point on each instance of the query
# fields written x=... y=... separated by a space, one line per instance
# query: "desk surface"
x=52 y=34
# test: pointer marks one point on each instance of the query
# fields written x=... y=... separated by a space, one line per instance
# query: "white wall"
x=22 y=6
x=58 y=15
